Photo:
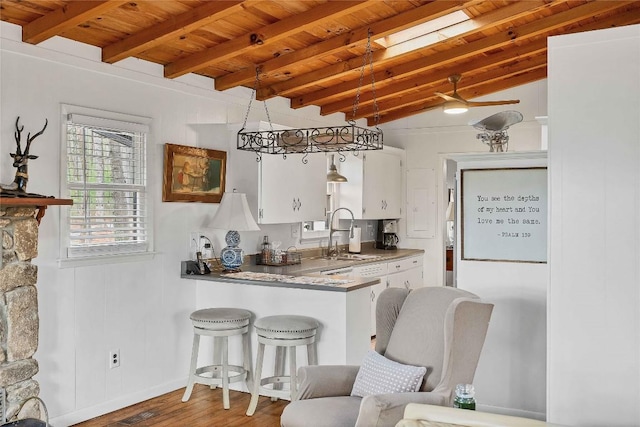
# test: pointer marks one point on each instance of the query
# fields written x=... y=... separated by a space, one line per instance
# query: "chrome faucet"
x=332 y=230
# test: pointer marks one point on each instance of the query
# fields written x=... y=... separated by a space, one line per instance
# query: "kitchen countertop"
x=312 y=267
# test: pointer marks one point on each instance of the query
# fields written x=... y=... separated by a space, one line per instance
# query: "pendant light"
x=333 y=175
x=339 y=138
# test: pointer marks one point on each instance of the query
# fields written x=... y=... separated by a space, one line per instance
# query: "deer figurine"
x=20 y=159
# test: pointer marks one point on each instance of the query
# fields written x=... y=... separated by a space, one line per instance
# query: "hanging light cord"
x=256 y=84
x=368 y=56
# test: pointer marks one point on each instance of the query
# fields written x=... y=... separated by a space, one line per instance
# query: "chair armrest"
x=388 y=409
x=326 y=380
x=425 y=415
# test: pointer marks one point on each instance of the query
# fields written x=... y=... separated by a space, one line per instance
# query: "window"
x=105 y=168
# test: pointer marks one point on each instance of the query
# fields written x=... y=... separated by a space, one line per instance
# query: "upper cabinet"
x=290 y=190
x=374 y=187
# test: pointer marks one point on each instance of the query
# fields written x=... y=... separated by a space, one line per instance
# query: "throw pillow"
x=379 y=375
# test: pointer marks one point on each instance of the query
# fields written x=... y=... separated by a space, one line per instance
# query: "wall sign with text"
x=504 y=214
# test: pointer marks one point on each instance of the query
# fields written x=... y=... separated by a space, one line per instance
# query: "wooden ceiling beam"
x=262 y=37
x=623 y=18
x=487 y=67
x=461 y=52
x=398 y=89
x=343 y=90
x=468 y=83
x=330 y=46
x=171 y=28
x=346 y=70
x=68 y=16
x=518 y=80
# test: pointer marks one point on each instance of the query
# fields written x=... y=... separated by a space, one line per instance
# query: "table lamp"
x=234 y=215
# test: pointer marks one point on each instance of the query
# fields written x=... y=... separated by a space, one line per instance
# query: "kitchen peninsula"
x=341 y=303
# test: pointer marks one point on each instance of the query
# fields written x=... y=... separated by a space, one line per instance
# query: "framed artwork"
x=504 y=214
x=193 y=174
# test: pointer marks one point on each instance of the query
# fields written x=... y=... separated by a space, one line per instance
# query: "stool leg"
x=293 y=379
x=192 y=370
x=281 y=354
x=312 y=354
x=256 y=381
x=225 y=372
x=217 y=355
x=246 y=356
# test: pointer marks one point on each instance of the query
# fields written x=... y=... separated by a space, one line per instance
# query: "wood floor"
x=204 y=409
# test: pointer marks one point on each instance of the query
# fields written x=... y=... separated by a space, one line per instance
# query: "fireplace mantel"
x=41 y=203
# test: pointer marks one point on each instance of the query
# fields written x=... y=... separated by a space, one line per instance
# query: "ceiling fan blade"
x=448 y=98
x=488 y=103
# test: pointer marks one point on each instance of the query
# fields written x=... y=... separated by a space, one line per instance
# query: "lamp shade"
x=333 y=175
x=234 y=214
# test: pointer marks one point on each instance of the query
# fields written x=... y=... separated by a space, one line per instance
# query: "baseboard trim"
x=115 y=404
x=513 y=412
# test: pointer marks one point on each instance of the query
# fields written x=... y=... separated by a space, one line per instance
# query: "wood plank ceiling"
x=313 y=51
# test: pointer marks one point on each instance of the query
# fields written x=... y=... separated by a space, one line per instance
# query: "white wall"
x=140 y=308
x=511 y=373
x=594 y=288
x=428 y=137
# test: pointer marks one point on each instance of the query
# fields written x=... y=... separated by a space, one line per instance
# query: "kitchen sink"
x=356 y=257
x=348 y=257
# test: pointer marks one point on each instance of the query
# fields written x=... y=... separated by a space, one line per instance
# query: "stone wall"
x=19 y=309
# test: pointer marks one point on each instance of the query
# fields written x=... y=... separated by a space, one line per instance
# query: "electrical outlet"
x=295 y=230
x=114 y=358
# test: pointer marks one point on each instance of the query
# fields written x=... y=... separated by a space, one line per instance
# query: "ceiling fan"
x=455 y=104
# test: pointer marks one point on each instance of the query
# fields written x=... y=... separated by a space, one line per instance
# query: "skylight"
x=429 y=32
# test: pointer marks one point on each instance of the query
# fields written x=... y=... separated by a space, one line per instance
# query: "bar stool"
x=285 y=331
x=220 y=323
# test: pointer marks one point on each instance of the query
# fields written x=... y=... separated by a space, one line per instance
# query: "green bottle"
x=465 y=397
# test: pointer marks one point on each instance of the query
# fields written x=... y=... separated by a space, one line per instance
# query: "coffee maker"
x=387 y=237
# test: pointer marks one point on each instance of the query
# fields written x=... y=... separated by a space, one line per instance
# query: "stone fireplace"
x=19 y=322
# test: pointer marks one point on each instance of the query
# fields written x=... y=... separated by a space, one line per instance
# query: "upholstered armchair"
x=440 y=328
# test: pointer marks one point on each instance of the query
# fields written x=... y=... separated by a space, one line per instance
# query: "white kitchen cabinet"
x=409 y=279
x=290 y=190
x=376 y=290
x=374 y=187
x=405 y=273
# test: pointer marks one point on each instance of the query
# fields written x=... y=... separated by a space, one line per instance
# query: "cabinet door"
x=375 y=293
x=409 y=279
x=382 y=186
x=290 y=190
x=311 y=184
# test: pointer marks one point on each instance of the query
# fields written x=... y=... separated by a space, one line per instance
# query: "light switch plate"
x=295 y=230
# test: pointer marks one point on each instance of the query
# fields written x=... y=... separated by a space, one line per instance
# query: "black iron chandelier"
x=347 y=137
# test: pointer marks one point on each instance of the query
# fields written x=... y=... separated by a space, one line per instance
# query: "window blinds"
x=106 y=178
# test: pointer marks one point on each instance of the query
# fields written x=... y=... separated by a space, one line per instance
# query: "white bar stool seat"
x=220 y=323
x=284 y=331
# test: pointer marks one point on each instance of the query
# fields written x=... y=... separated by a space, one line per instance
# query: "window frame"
x=94 y=256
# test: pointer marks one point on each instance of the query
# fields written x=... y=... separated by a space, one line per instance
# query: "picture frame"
x=504 y=214
x=193 y=174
